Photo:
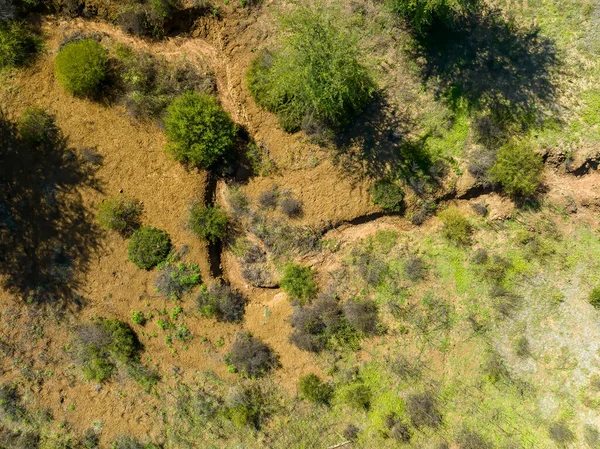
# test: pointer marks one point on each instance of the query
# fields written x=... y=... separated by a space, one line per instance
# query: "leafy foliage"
x=17 y=44
x=120 y=213
x=176 y=278
x=518 y=168
x=387 y=194
x=250 y=357
x=594 y=298
x=421 y=13
x=222 y=302
x=312 y=388
x=209 y=222
x=199 y=130
x=317 y=75
x=148 y=247
x=81 y=66
x=298 y=282
x=457 y=228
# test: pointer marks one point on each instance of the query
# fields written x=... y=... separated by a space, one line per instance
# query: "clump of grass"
x=120 y=213
x=138 y=318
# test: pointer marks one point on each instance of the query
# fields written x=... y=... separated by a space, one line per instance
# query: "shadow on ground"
x=46 y=233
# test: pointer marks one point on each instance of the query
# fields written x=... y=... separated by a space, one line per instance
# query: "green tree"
x=198 y=129
x=81 y=66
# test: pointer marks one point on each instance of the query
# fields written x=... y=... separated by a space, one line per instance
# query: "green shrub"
x=317 y=75
x=314 y=389
x=148 y=247
x=38 y=127
x=298 y=282
x=222 y=302
x=17 y=44
x=387 y=194
x=250 y=357
x=247 y=407
x=120 y=213
x=457 y=228
x=358 y=396
x=138 y=318
x=518 y=168
x=175 y=279
x=209 y=222
x=10 y=403
x=421 y=13
x=594 y=298
x=81 y=66
x=199 y=130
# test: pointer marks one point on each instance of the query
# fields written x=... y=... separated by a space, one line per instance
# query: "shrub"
x=37 y=127
x=298 y=282
x=472 y=440
x=120 y=213
x=148 y=247
x=313 y=389
x=594 y=298
x=208 y=222
x=250 y=357
x=351 y=432
x=129 y=442
x=457 y=228
x=222 y=302
x=268 y=198
x=405 y=369
x=560 y=433
x=10 y=403
x=358 y=396
x=421 y=13
x=423 y=410
x=291 y=207
x=238 y=201
x=246 y=407
x=518 y=168
x=387 y=194
x=414 y=268
x=362 y=315
x=17 y=44
x=199 y=130
x=591 y=436
x=398 y=430
x=317 y=74
x=521 y=347
x=176 y=279
x=138 y=318
x=81 y=66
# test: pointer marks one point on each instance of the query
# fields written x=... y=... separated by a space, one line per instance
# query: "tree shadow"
x=47 y=235
x=491 y=63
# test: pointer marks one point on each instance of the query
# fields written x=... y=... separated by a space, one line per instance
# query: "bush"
x=238 y=201
x=250 y=357
x=472 y=440
x=17 y=45
x=81 y=66
x=199 y=130
x=222 y=302
x=594 y=298
x=313 y=389
x=148 y=247
x=10 y=403
x=421 y=13
x=38 y=127
x=138 y=318
x=358 y=396
x=291 y=207
x=398 y=430
x=414 y=268
x=298 y=282
x=560 y=433
x=209 y=222
x=247 y=407
x=457 y=228
x=351 y=432
x=423 y=410
x=120 y=213
x=128 y=442
x=387 y=194
x=518 y=168
x=362 y=315
x=176 y=279
x=317 y=74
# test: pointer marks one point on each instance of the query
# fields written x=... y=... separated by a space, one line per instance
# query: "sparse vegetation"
x=208 y=222
x=200 y=132
x=148 y=247
x=175 y=279
x=81 y=66
x=120 y=213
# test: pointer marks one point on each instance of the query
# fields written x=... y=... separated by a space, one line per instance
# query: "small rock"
x=98 y=387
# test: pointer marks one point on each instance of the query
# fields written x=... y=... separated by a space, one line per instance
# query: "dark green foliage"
x=120 y=213
x=457 y=228
x=17 y=44
x=175 y=279
x=250 y=357
x=81 y=66
x=518 y=168
x=222 y=302
x=209 y=222
x=37 y=127
x=10 y=403
x=104 y=343
x=317 y=75
x=594 y=297
x=468 y=439
x=200 y=132
x=388 y=195
x=298 y=282
x=247 y=407
x=560 y=433
x=129 y=442
x=363 y=315
x=421 y=13
x=138 y=318
x=148 y=247
x=358 y=396
x=313 y=389
x=423 y=410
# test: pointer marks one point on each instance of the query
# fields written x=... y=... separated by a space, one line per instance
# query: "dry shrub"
x=250 y=357
x=223 y=302
x=362 y=315
x=423 y=410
